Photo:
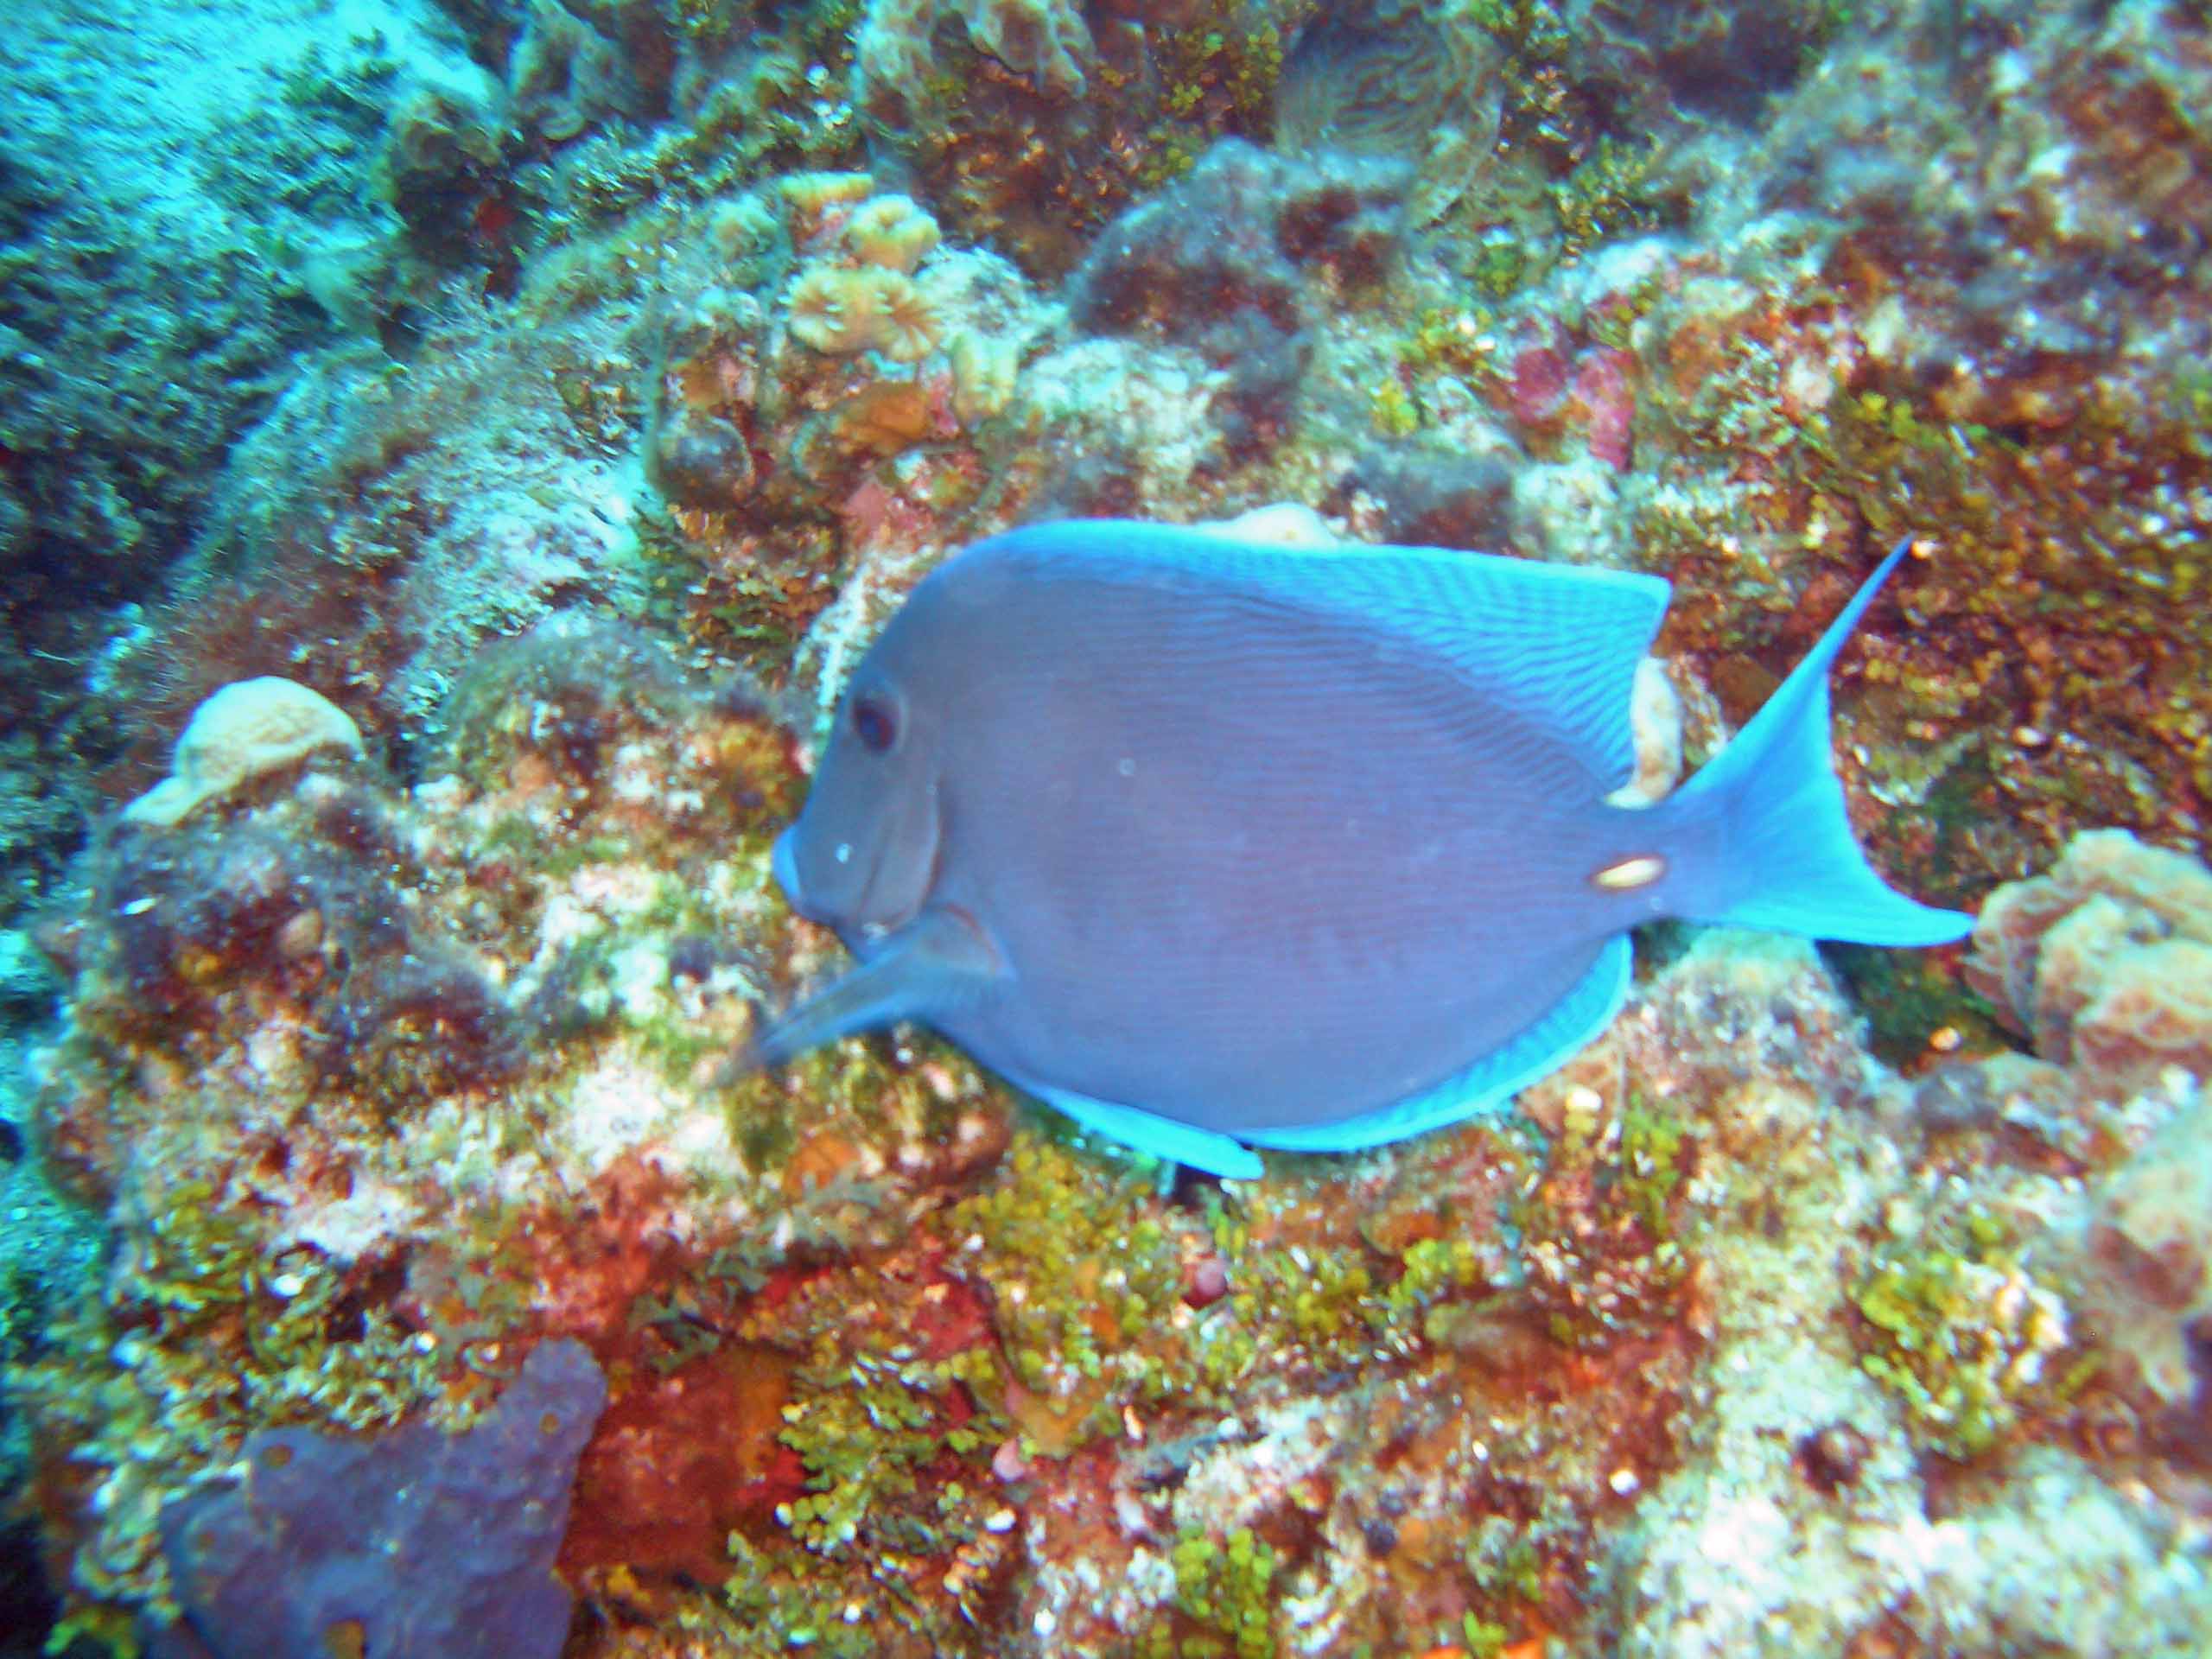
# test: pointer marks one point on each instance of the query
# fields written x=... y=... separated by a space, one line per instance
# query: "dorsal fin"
x=1556 y=644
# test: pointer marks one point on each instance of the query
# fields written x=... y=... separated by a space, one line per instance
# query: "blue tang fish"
x=1214 y=845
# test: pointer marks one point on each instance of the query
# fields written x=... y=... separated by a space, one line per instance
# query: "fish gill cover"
x=564 y=398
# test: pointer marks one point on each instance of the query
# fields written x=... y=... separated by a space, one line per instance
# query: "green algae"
x=1954 y=1326
x=1604 y=1237
x=1392 y=411
x=895 y=1449
x=1225 y=1593
x=1610 y=193
x=1649 y=1167
x=1086 y=1274
x=1217 y=72
x=199 y=1336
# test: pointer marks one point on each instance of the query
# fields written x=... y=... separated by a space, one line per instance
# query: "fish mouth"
x=889 y=895
x=900 y=888
x=874 y=923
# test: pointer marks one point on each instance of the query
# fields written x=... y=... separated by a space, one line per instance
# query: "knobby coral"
x=2106 y=960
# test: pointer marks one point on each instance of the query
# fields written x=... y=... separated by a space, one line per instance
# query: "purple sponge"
x=411 y=1544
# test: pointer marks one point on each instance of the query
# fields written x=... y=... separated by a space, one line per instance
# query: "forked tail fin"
x=1785 y=858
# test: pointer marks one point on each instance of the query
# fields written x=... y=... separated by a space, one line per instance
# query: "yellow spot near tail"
x=1630 y=874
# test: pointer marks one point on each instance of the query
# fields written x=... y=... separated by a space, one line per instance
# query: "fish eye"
x=874 y=724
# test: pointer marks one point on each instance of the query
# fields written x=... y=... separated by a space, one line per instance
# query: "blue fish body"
x=1214 y=845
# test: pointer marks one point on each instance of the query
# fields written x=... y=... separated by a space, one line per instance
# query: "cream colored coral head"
x=811 y=196
x=833 y=309
x=908 y=327
x=892 y=231
x=246 y=729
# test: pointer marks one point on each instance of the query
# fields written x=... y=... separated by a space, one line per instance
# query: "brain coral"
x=833 y=310
x=891 y=231
x=2105 y=962
x=249 y=727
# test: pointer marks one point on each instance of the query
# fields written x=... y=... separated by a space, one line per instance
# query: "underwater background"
x=530 y=410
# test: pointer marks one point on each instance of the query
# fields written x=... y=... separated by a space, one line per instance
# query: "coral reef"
x=2106 y=962
x=1396 y=78
x=1046 y=40
x=2149 y=1251
x=1235 y=263
x=565 y=393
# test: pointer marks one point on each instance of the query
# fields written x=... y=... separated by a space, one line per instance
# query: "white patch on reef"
x=615 y=890
x=347 y=1228
x=635 y=775
x=623 y=1105
x=638 y=973
x=614 y=1108
x=1152 y=404
x=1236 y=1482
x=566 y=920
x=1622 y=268
x=1573 y=510
x=272 y=1049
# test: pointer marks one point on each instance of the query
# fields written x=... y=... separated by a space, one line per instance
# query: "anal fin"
x=1149 y=1131
x=1538 y=1051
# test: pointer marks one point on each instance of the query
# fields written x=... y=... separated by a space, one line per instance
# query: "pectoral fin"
x=937 y=962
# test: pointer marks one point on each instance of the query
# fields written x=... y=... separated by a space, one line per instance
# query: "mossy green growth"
x=896 y=1447
x=1650 y=1166
x=1501 y=268
x=857 y=1089
x=200 y=1335
x=711 y=21
x=1600 y=1231
x=1392 y=411
x=787 y=1602
x=1953 y=1324
x=1225 y=1593
x=1087 y=1272
x=891 y=1442
x=1218 y=75
x=1333 y=1300
x=1434 y=1267
x=1442 y=342
x=1536 y=38
x=1504 y=1561
x=1451 y=343
x=565 y=861
x=1610 y=195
